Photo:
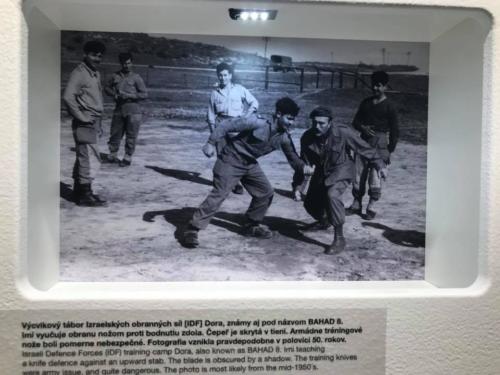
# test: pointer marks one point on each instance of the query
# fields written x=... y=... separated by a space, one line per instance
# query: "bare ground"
x=134 y=238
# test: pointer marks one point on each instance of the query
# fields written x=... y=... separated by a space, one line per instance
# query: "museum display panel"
x=439 y=319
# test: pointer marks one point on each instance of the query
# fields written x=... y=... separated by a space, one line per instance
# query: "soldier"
x=229 y=100
x=127 y=89
x=326 y=147
x=377 y=121
x=83 y=98
x=238 y=161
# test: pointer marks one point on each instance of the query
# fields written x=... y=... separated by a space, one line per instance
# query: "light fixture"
x=252 y=14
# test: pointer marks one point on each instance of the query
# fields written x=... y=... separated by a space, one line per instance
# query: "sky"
x=323 y=50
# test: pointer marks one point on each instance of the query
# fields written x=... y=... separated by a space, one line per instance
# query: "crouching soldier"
x=326 y=148
x=83 y=98
x=238 y=162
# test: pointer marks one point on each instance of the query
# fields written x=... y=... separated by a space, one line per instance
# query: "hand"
x=208 y=150
x=308 y=170
x=383 y=173
x=365 y=129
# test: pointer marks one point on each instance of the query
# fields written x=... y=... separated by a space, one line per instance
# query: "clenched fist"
x=208 y=150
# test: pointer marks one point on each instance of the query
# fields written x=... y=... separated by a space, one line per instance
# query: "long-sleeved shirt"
x=381 y=118
x=329 y=154
x=83 y=93
x=230 y=102
x=127 y=89
x=256 y=137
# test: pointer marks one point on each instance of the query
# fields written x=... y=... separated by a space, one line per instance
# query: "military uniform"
x=127 y=116
x=334 y=170
x=83 y=98
x=238 y=161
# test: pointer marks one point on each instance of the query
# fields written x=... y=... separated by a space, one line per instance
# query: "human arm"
x=393 y=129
x=291 y=155
x=110 y=88
x=253 y=104
x=236 y=125
x=70 y=94
x=358 y=122
x=211 y=115
x=362 y=148
x=141 y=93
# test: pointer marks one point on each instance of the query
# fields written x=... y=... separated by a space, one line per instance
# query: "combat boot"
x=257 y=231
x=190 y=237
x=355 y=208
x=338 y=244
x=86 y=198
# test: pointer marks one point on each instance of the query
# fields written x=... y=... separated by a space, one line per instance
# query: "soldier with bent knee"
x=326 y=147
x=238 y=162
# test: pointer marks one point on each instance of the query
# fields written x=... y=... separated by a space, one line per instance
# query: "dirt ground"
x=134 y=237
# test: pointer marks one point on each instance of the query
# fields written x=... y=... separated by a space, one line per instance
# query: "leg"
x=374 y=192
x=115 y=135
x=225 y=177
x=358 y=186
x=336 y=215
x=259 y=187
x=316 y=200
x=132 y=124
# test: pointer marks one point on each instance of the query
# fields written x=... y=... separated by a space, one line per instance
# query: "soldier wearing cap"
x=326 y=147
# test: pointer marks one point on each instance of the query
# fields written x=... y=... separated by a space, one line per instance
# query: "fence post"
x=341 y=80
x=302 y=80
x=331 y=80
x=317 y=78
x=267 y=78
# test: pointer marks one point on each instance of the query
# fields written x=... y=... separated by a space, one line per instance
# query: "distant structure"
x=281 y=63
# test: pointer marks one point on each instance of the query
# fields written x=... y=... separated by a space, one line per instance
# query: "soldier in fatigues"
x=377 y=121
x=127 y=89
x=326 y=147
x=83 y=98
x=238 y=161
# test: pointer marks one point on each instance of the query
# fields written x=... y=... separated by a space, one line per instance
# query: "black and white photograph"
x=232 y=158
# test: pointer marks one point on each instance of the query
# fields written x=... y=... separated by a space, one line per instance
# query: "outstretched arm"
x=236 y=124
x=362 y=148
x=291 y=154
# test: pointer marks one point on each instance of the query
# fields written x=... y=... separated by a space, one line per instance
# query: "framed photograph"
x=163 y=96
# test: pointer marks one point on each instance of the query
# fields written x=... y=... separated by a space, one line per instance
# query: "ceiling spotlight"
x=252 y=14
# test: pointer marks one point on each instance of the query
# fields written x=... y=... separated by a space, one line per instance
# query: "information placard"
x=235 y=342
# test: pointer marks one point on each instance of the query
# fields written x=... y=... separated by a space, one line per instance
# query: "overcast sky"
x=323 y=50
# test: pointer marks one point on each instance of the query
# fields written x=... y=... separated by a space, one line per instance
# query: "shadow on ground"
x=408 y=238
x=233 y=223
x=181 y=175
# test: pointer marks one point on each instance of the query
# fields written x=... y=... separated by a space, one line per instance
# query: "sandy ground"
x=134 y=237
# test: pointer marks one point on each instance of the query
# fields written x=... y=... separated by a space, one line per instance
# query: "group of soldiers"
x=332 y=156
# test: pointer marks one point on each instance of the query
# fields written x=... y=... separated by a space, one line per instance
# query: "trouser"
x=88 y=158
x=121 y=125
x=366 y=172
x=226 y=176
x=326 y=201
